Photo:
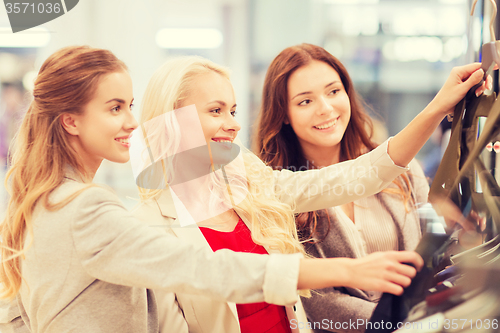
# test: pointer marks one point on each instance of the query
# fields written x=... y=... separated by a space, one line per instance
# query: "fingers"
x=460 y=81
x=409 y=257
x=398 y=279
x=474 y=79
x=397 y=273
x=464 y=72
x=487 y=85
x=385 y=271
x=391 y=288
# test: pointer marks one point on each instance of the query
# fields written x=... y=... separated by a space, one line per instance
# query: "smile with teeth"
x=222 y=140
x=327 y=125
x=123 y=140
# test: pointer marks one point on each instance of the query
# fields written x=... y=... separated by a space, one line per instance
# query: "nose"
x=324 y=106
x=131 y=123
x=231 y=124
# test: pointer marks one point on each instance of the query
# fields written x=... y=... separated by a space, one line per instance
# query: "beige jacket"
x=319 y=189
x=91 y=268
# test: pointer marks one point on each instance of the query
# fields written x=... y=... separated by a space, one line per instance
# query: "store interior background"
x=397 y=52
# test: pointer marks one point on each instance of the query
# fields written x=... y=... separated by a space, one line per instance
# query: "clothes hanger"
x=487 y=252
x=464 y=133
x=489 y=51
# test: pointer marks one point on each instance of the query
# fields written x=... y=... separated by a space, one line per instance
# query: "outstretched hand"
x=385 y=271
x=471 y=225
x=460 y=81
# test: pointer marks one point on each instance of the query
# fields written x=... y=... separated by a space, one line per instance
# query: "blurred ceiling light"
x=352 y=25
x=407 y=49
x=432 y=48
x=443 y=22
x=29 y=80
x=176 y=38
x=388 y=50
x=334 y=47
x=35 y=37
x=453 y=2
x=451 y=21
x=455 y=47
x=10 y=67
x=476 y=31
x=370 y=21
x=352 y=2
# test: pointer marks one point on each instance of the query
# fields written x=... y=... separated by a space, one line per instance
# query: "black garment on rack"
x=393 y=309
x=454 y=179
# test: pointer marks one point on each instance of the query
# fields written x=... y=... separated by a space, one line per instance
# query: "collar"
x=72 y=174
x=166 y=205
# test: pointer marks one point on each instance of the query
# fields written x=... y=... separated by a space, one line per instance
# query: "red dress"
x=253 y=317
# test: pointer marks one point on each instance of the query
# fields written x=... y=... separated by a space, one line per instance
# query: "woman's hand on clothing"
x=459 y=82
x=384 y=271
x=381 y=271
x=405 y=145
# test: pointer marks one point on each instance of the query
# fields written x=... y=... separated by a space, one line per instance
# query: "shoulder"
x=148 y=212
x=84 y=194
x=417 y=177
x=416 y=168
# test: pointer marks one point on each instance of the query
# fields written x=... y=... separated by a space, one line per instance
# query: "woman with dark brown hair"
x=312 y=117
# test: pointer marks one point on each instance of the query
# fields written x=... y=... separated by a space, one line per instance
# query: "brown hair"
x=41 y=153
x=277 y=144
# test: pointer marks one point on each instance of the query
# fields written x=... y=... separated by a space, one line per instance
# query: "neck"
x=196 y=196
x=91 y=171
x=89 y=162
x=192 y=192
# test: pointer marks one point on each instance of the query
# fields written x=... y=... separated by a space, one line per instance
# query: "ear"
x=286 y=122
x=68 y=121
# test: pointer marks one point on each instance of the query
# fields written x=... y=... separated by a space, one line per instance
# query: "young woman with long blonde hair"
x=234 y=201
x=74 y=259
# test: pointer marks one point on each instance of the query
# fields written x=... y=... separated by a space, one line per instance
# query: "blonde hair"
x=41 y=152
x=272 y=222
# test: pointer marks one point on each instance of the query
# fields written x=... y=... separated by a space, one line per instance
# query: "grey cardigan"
x=90 y=263
x=345 y=306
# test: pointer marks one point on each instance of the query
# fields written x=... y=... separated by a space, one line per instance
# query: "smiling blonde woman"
x=255 y=208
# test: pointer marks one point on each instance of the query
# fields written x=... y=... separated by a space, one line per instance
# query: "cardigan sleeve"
x=420 y=185
x=339 y=183
x=350 y=312
x=114 y=247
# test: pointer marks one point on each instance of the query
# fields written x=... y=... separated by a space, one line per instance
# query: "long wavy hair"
x=272 y=222
x=41 y=152
x=277 y=144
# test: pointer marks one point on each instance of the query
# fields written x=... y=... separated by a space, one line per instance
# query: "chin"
x=120 y=159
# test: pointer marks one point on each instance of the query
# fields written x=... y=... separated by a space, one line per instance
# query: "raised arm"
x=406 y=144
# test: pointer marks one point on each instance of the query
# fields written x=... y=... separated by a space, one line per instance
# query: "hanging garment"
x=455 y=179
x=456 y=175
x=393 y=309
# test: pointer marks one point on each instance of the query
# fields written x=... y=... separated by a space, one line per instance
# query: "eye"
x=305 y=102
x=334 y=91
x=216 y=110
x=233 y=113
x=115 y=109
x=131 y=106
